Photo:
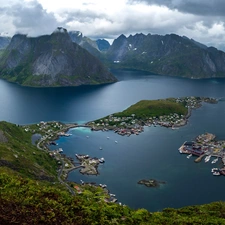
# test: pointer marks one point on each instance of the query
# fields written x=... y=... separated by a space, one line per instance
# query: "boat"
x=214 y=170
x=100 y=148
x=215 y=160
x=116 y=141
x=53 y=143
x=189 y=156
x=207 y=158
x=216 y=173
x=60 y=150
x=101 y=160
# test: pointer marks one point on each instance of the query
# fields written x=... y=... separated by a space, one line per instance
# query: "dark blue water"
x=153 y=154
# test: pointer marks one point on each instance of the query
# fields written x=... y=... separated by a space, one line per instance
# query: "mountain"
x=103 y=45
x=85 y=42
x=4 y=42
x=167 y=55
x=51 y=60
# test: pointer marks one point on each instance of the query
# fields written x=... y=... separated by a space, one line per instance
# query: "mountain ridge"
x=51 y=60
x=167 y=55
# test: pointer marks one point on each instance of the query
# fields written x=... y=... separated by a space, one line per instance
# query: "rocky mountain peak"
x=51 y=60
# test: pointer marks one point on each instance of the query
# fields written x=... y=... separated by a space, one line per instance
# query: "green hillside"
x=25 y=201
x=154 y=108
x=18 y=154
x=32 y=194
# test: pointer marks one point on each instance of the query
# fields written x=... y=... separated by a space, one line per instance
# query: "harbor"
x=208 y=148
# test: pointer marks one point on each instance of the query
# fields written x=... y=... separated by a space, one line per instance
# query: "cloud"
x=128 y=19
x=198 y=19
x=197 y=7
x=29 y=18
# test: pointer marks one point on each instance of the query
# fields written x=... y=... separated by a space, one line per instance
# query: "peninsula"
x=170 y=112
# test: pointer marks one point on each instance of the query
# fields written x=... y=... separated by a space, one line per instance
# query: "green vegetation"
x=25 y=201
x=18 y=154
x=154 y=108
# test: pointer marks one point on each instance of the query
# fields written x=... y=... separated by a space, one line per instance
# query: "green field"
x=154 y=108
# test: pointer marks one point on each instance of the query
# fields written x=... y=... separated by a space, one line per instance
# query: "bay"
x=152 y=154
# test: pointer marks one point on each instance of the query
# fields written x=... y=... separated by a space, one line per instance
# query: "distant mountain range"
x=167 y=55
x=54 y=57
x=51 y=60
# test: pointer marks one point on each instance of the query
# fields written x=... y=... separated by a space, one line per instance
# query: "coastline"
x=66 y=164
x=169 y=121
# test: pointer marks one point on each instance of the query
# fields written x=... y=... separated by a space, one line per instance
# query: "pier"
x=206 y=145
x=199 y=159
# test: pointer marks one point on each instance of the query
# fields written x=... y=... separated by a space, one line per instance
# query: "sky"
x=201 y=20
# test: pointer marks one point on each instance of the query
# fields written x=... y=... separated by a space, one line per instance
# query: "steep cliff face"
x=168 y=55
x=96 y=48
x=85 y=42
x=51 y=60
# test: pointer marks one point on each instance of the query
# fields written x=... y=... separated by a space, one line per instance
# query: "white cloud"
x=211 y=36
x=109 y=19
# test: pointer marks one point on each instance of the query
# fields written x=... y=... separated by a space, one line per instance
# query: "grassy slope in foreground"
x=18 y=154
x=25 y=201
x=27 y=198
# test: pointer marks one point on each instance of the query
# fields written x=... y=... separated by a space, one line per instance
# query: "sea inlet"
x=151 y=155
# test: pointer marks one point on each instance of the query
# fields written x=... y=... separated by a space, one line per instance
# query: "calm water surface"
x=153 y=154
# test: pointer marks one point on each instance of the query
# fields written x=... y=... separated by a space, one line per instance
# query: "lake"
x=152 y=154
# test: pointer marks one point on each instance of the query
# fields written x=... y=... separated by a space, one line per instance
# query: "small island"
x=151 y=182
x=89 y=165
x=170 y=113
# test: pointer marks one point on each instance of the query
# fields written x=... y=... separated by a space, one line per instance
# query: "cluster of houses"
x=130 y=125
x=195 y=102
x=127 y=125
x=43 y=127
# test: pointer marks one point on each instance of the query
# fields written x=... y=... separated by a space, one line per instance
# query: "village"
x=206 y=146
x=122 y=125
x=127 y=125
x=48 y=133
